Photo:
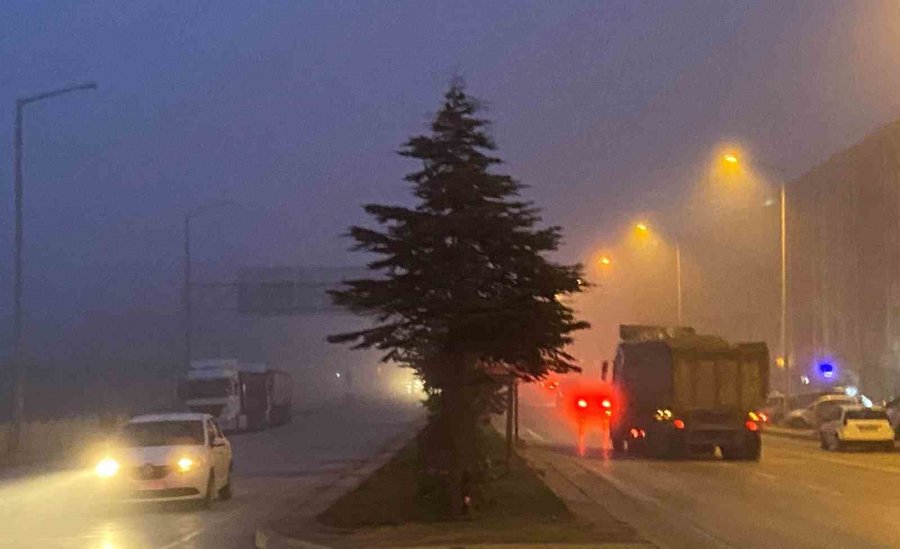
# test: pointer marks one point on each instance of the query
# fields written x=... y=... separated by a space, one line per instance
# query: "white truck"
x=238 y=394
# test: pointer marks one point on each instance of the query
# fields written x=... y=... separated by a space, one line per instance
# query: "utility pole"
x=783 y=334
x=18 y=367
x=509 y=419
x=516 y=396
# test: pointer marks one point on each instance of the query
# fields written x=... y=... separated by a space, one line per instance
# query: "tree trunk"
x=461 y=416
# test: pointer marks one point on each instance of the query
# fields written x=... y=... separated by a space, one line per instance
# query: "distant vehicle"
x=856 y=424
x=169 y=457
x=892 y=407
x=812 y=416
x=775 y=408
x=686 y=392
x=239 y=395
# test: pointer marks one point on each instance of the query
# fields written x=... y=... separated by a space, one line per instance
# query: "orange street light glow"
x=641 y=227
x=730 y=158
x=605 y=260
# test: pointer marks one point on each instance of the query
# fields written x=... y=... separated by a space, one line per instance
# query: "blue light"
x=827 y=370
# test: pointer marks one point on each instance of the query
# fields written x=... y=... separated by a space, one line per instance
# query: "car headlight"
x=107 y=467
x=185 y=464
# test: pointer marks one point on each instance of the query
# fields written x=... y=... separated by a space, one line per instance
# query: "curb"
x=804 y=434
x=267 y=539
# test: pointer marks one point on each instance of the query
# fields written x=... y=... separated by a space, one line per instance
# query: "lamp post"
x=644 y=229
x=187 y=305
x=18 y=310
x=732 y=158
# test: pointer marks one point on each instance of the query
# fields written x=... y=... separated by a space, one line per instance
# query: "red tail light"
x=582 y=403
x=678 y=424
x=752 y=425
x=606 y=403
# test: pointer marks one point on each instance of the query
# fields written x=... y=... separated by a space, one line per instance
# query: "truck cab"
x=214 y=387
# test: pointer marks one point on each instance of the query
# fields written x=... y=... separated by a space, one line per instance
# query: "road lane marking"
x=822 y=489
x=767 y=476
x=184 y=539
x=535 y=435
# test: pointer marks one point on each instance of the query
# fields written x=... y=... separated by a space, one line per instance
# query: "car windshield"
x=865 y=414
x=162 y=433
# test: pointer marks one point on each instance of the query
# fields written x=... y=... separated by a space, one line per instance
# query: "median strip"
x=392 y=509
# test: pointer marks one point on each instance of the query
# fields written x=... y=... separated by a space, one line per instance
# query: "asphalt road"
x=305 y=463
x=797 y=495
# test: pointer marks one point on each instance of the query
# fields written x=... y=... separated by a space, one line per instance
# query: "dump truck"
x=683 y=392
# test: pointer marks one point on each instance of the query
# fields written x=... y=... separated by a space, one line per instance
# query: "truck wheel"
x=823 y=444
x=836 y=444
x=664 y=446
x=618 y=443
x=752 y=449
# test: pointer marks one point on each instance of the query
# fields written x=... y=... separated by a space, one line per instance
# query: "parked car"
x=812 y=416
x=846 y=425
x=892 y=407
x=168 y=457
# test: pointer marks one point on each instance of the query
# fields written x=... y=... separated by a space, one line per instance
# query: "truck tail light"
x=582 y=403
x=752 y=425
x=678 y=424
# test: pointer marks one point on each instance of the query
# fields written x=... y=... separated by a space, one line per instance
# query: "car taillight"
x=582 y=403
x=606 y=403
x=752 y=425
x=678 y=424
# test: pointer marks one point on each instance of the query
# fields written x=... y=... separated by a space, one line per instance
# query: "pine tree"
x=465 y=282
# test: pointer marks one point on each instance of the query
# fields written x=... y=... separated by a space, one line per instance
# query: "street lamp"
x=187 y=305
x=18 y=368
x=604 y=260
x=732 y=158
x=644 y=228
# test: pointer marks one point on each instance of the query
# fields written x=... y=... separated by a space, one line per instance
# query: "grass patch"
x=390 y=508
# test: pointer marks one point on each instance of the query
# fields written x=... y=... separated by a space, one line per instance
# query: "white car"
x=812 y=416
x=856 y=425
x=169 y=457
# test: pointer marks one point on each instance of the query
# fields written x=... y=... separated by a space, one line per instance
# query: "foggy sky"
x=294 y=110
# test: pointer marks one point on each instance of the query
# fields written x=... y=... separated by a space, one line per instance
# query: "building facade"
x=844 y=266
